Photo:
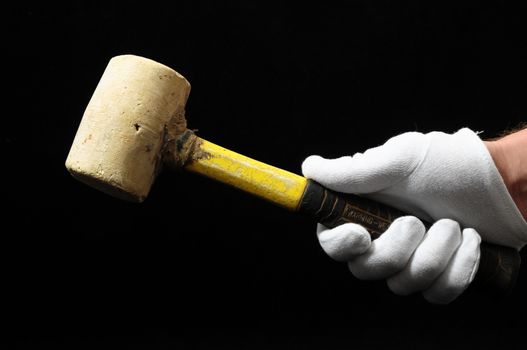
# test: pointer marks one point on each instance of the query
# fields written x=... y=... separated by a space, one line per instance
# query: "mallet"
x=135 y=123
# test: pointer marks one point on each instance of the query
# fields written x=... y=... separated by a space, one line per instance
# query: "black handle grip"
x=498 y=267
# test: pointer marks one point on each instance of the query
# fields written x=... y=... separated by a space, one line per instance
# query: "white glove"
x=439 y=177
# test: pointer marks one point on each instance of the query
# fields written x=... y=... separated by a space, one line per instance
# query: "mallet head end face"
x=136 y=106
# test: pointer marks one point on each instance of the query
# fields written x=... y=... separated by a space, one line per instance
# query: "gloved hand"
x=447 y=179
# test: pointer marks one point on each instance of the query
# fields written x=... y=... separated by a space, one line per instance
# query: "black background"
x=199 y=265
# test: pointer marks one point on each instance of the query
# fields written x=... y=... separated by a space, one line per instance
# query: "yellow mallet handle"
x=499 y=265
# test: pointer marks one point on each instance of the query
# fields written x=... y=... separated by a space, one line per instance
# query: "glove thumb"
x=371 y=171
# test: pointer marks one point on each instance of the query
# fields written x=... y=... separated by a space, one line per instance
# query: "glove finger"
x=459 y=273
x=344 y=242
x=390 y=252
x=429 y=260
x=371 y=171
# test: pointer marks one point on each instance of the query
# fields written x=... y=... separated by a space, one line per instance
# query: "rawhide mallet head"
x=137 y=105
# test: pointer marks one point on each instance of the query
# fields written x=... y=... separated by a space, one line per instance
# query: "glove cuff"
x=501 y=200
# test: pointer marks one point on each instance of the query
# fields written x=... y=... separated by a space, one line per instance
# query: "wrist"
x=510 y=157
